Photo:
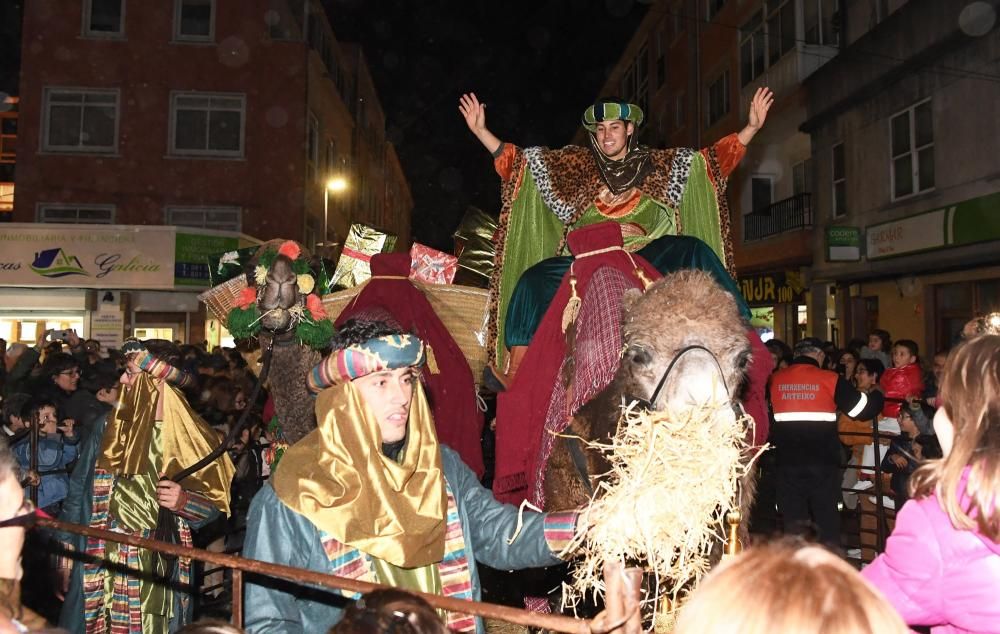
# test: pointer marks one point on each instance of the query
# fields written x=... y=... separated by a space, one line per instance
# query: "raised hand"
x=759 y=106
x=473 y=112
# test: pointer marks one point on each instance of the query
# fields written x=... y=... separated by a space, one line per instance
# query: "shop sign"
x=843 y=244
x=191 y=256
x=766 y=289
x=108 y=327
x=86 y=256
x=968 y=222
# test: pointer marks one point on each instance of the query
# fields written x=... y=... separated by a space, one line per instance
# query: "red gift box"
x=431 y=266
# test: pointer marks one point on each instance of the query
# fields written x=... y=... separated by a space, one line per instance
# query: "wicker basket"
x=462 y=310
x=223 y=298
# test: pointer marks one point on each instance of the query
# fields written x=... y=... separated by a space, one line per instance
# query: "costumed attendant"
x=941 y=565
x=650 y=193
x=451 y=388
x=118 y=485
x=372 y=495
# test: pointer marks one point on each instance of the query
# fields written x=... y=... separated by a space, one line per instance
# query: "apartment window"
x=717 y=99
x=839 y=181
x=752 y=49
x=677 y=13
x=802 y=177
x=220 y=218
x=780 y=30
x=822 y=22
x=912 y=142
x=713 y=7
x=80 y=120
x=642 y=78
x=104 y=17
x=61 y=213
x=194 y=20
x=312 y=147
x=661 y=59
x=331 y=158
x=207 y=124
x=761 y=192
x=628 y=83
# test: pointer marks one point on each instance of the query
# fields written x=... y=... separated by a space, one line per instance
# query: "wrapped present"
x=474 y=247
x=431 y=266
x=361 y=244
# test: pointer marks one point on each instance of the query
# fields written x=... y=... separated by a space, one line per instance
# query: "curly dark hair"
x=355 y=331
x=59 y=362
x=390 y=611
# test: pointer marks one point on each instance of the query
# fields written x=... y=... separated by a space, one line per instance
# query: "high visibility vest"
x=804 y=392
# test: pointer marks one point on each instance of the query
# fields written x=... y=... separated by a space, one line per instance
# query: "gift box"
x=474 y=247
x=431 y=266
x=361 y=244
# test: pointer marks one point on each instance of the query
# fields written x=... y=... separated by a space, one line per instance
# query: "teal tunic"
x=538 y=285
x=277 y=534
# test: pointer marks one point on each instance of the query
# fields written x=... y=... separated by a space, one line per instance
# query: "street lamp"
x=336 y=185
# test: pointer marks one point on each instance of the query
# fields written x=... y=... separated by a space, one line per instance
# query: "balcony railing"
x=790 y=214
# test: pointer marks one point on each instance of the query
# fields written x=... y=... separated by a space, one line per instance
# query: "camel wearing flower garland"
x=281 y=308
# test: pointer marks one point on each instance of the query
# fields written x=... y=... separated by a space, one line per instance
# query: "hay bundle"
x=673 y=479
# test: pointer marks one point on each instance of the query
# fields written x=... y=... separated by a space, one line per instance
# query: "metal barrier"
x=876 y=490
x=299 y=576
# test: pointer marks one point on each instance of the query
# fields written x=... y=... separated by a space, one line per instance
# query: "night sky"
x=536 y=65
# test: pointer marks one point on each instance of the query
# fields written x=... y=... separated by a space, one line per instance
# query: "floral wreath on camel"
x=312 y=325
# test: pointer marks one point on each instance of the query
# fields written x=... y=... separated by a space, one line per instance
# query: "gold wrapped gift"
x=361 y=244
x=474 y=247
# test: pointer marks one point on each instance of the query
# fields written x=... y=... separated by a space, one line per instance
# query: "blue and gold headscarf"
x=390 y=352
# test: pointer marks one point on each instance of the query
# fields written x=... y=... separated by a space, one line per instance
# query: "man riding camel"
x=649 y=193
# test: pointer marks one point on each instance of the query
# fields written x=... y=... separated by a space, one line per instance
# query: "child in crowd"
x=902 y=460
x=12 y=407
x=878 y=347
x=940 y=567
x=55 y=453
x=786 y=588
x=902 y=382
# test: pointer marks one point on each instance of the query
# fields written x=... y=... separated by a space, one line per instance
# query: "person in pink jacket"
x=941 y=565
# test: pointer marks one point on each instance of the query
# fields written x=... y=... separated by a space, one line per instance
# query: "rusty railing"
x=239 y=565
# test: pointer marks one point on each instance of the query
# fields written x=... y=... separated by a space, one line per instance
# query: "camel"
x=282 y=303
x=686 y=308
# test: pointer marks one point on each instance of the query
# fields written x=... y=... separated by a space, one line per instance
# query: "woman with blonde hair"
x=787 y=588
x=941 y=566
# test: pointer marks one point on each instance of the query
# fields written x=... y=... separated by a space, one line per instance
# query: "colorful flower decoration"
x=312 y=327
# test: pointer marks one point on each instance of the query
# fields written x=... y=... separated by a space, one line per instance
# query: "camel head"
x=688 y=320
x=281 y=298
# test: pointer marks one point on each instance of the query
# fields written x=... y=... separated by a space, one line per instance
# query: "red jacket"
x=899 y=383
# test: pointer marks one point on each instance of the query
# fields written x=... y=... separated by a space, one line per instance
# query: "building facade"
x=905 y=129
x=218 y=115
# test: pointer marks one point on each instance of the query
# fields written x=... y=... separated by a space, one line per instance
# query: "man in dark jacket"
x=805 y=399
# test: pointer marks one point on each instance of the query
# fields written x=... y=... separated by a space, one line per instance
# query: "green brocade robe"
x=547 y=193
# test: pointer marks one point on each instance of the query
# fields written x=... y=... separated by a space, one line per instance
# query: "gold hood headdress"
x=338 y=478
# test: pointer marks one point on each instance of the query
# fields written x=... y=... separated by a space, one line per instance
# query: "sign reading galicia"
x=772 y=288
x=86 y=256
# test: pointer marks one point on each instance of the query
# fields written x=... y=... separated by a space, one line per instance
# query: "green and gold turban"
x=611 y=111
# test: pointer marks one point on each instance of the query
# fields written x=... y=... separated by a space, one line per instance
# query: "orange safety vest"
x=804 y=392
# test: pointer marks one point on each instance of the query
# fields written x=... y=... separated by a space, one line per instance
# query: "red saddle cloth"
x=522 y=409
